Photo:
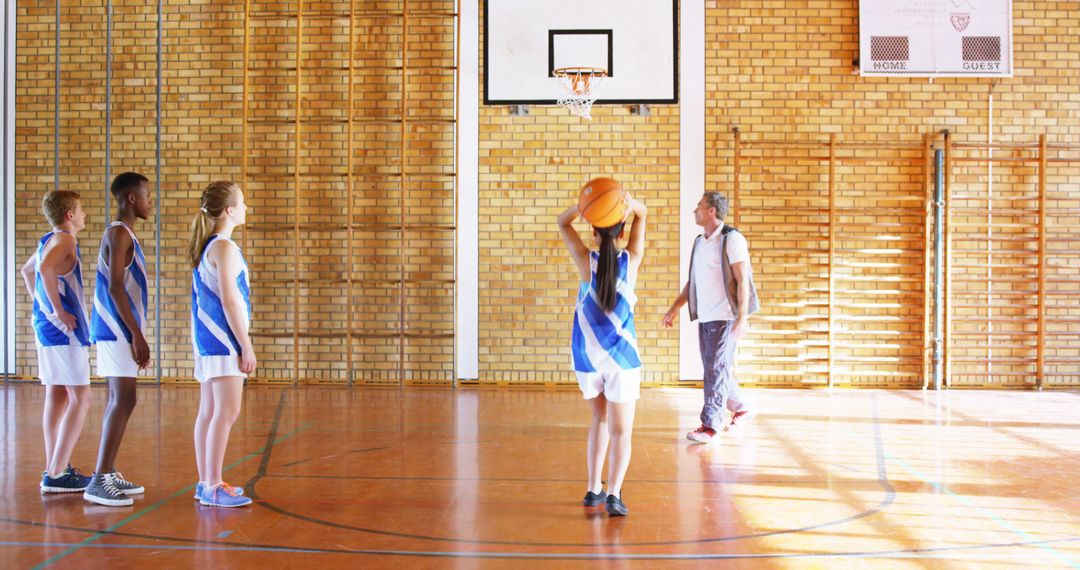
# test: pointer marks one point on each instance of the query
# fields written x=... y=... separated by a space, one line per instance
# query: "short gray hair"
x=718 y=201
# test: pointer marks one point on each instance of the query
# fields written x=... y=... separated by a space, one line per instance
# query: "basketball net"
x=579 y=87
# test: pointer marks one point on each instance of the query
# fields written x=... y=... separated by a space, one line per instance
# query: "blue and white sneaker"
x=126 y=487
x=223 y=495
x=70 y=481
x=199 y=489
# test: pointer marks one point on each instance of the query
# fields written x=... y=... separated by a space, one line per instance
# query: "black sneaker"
x=103 y=492
x=615 y=506
x=594 y=499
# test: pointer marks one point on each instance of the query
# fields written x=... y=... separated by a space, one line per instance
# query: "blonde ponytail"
x=215 y=199
x=201 y=227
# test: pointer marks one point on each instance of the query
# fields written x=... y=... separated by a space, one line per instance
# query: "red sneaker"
x=740 y=419
x=702 y=434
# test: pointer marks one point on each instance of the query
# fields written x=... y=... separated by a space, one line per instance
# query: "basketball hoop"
x=579 y=86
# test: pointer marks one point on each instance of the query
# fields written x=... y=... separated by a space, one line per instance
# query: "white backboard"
x=635 y=41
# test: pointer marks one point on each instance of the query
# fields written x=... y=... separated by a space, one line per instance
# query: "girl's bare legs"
x=598 y=442
x=228 y=394
x=620 y=427
x=202 y=426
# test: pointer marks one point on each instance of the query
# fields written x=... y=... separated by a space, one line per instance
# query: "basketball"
x=602 y=202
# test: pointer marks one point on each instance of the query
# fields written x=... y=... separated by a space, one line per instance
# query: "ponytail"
x=201 y=227
x=215 y=199
x=607 y=269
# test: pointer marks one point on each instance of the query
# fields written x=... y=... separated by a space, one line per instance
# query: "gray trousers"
x=718 y=358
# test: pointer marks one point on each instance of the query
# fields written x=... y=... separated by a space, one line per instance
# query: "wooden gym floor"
x=419 y=478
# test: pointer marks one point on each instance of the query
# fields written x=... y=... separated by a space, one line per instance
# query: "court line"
x=935 y=552
x=963 y=499
x=914 y=553
x=210 y=545
x=792 y=481
x=145 y=511
x=882 y=474
x=987 y=513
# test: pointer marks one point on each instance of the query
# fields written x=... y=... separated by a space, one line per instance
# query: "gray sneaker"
x=102 y=491
x=126 y=487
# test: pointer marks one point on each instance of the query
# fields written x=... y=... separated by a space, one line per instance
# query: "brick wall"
x=531 y=169
x=780 y=71
x=289 y=179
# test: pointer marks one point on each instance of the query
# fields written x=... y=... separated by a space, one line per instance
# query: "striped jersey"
x=48 y=330
x=105 y=321
x=210 y=332
x=605 y=342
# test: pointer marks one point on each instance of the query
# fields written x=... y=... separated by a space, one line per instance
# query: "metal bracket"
x=519 y=110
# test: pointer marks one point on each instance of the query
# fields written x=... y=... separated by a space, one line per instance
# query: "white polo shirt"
x=712 y=299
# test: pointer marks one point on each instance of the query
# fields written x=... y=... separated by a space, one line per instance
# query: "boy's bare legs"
x=55 y=403
x=70 y=427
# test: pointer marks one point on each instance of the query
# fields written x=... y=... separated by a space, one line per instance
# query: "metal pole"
x=946 y=185
x=939 y=217
x=736 y=174
x=457 y=185
x=350 y=230
x=296 y=189
x=928 y=228
x=157 y=202
x=832 y=251
x=108 y=102
x=56 y=111
x=1040 y=354
x=403 y=188
x=8 y=262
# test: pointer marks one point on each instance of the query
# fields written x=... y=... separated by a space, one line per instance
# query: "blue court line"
x=990 y=514
x=91 y=539
x=963 y=499
x=925 y=553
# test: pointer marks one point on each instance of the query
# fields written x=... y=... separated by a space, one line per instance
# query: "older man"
x=721 y=296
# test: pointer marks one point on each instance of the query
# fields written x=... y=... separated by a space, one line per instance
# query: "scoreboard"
x=935 y=38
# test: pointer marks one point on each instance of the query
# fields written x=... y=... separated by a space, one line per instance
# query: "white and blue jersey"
x=105 y=321
x=49 y=331
x=605 y=342
x=210 y=332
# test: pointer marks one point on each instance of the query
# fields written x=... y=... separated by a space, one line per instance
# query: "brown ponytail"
x=607 y=269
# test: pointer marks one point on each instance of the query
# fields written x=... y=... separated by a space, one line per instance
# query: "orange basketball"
x=602 y=202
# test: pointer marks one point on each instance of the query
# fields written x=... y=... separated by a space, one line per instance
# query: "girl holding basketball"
x=604 y=344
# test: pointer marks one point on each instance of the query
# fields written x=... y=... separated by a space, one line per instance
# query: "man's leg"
x=741 y=409
x=710 y=337
x=121 y=403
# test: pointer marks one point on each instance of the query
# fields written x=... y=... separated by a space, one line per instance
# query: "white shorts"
x=210 y=367
x=620 y=386
x=67 y=365
x=114 y=360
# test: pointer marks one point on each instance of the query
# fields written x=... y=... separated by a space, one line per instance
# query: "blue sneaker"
x=223 y=495
x=199 y=489
x=70 y=481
